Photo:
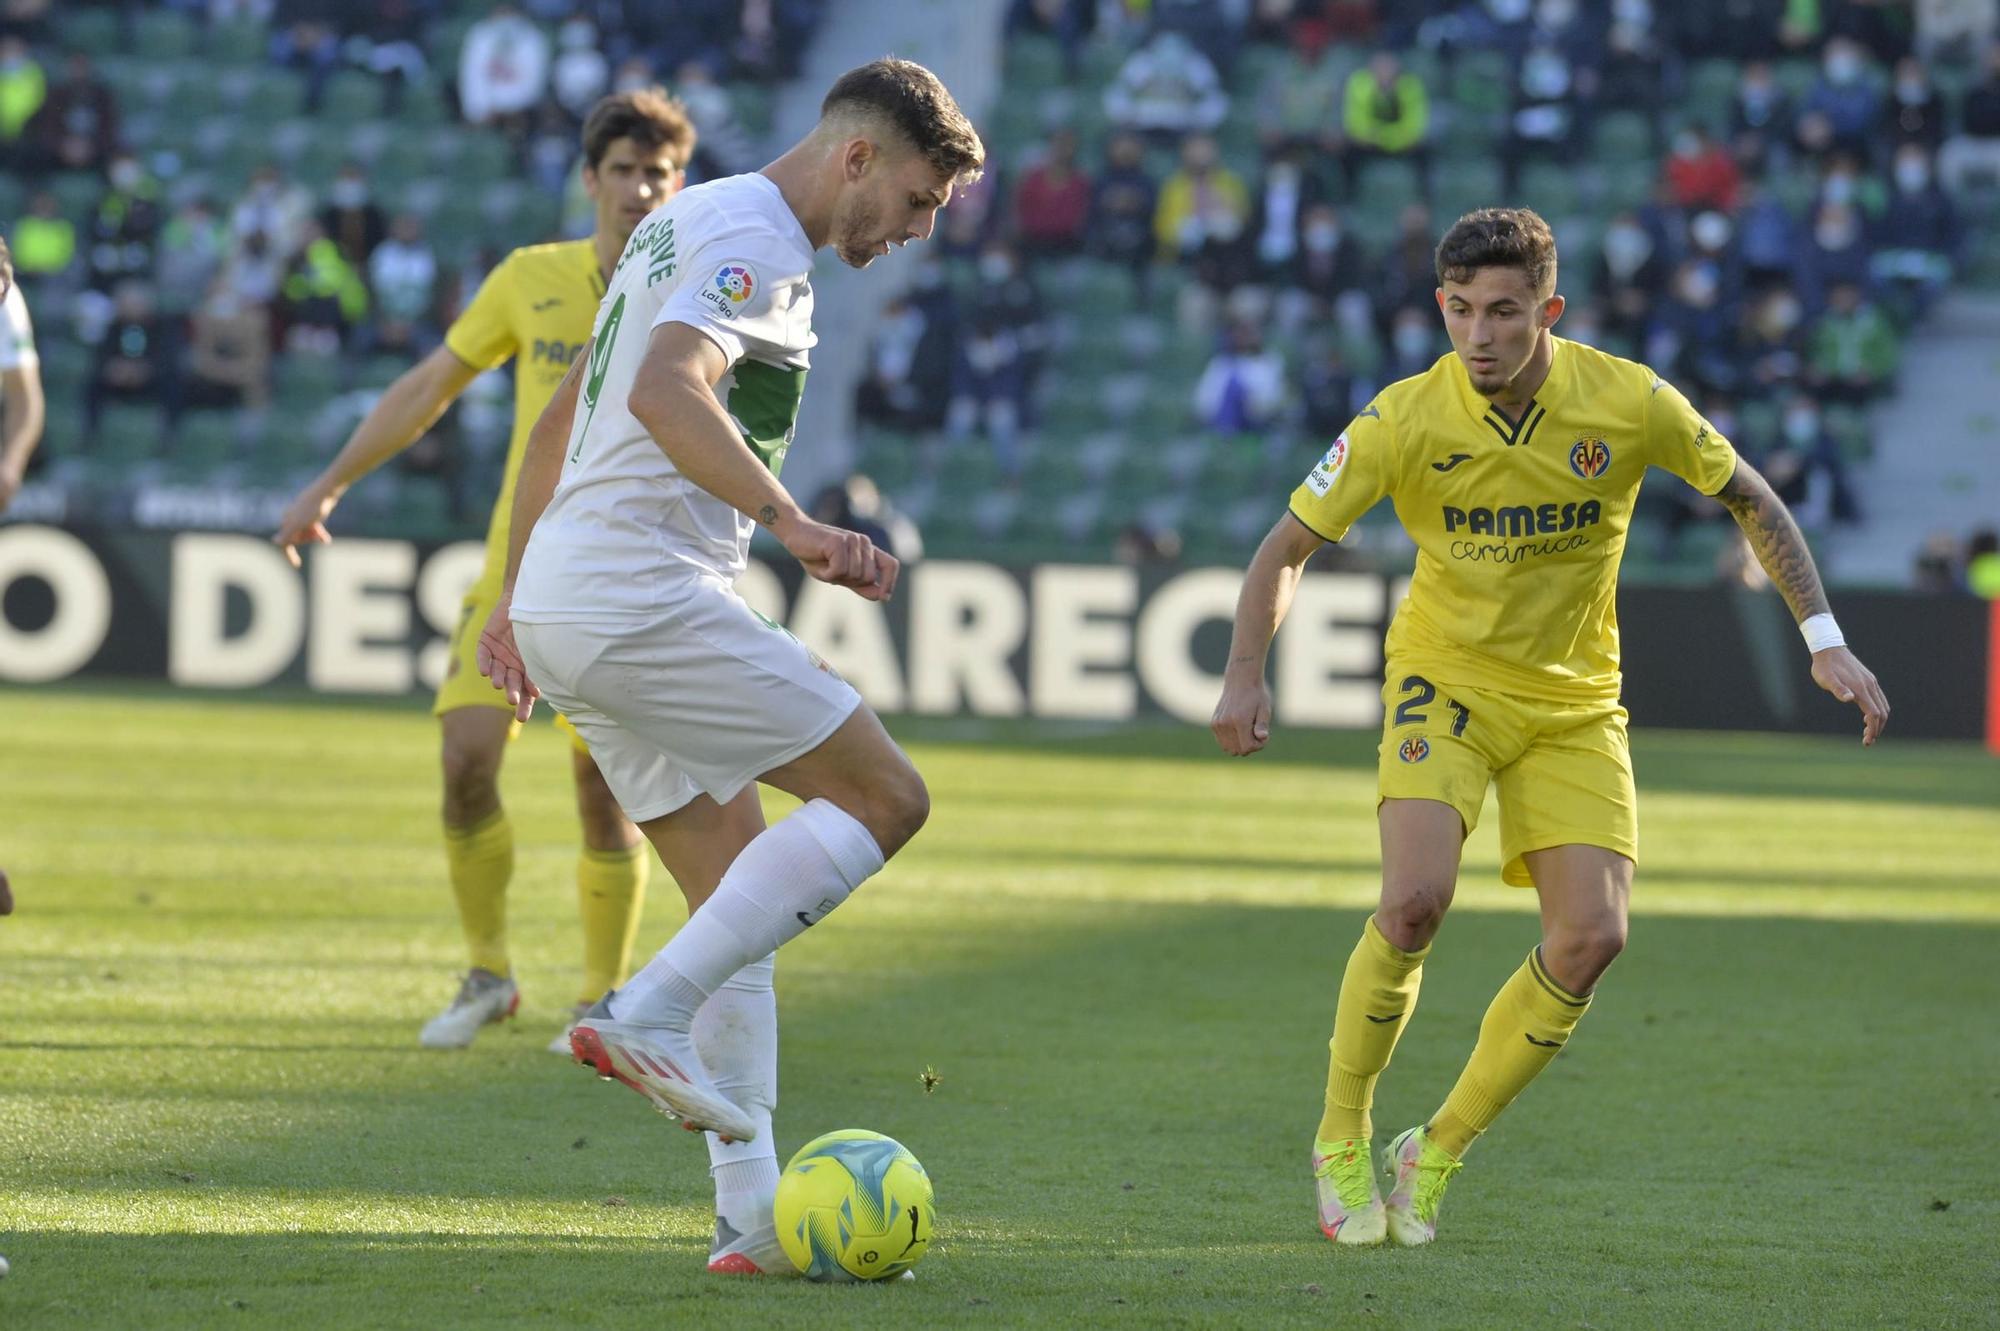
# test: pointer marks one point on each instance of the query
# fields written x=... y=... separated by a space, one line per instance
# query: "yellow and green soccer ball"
x=854 y=1205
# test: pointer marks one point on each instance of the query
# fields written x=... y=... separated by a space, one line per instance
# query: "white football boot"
x=484 y=998
x=661 y=1064
x=560 y=1045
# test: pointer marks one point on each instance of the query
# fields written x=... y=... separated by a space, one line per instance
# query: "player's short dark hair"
x=651 y=117
x=916 y=102
x=1499 y=238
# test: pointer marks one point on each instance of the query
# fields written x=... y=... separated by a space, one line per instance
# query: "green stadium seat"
x=422 y=103
x=404 y=158
x=1457 y=187
x=1481 y=83
x=352 y=95
x=1627 y=184
x=276 y=94
x=129 y=432
x=83 y=28
x=78 y=193
x=1711 y=93
x=1623 y=136
x=1389 y=184
x=163 y=34
x=1756 y=425
x=238 y=42
x=1550 y=189
x=306 y=382
x=204 y=442
x=1034 y=64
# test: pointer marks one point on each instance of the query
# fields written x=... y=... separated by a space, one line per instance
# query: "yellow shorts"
x=1564 y=769
x=463 y=685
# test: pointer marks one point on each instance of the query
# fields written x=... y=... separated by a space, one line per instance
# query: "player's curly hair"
x=651 y=117
x=1499 y=238
x=916 y=102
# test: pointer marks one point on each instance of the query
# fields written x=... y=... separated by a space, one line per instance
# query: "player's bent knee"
x=471 y=776
x=1410 y=915
x=1578 y=957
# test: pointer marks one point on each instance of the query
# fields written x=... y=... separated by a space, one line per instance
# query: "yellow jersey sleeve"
x=1358 y=469
x=1678 y=439
x=483 y=334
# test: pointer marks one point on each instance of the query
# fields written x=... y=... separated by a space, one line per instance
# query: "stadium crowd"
x=1205 y=219
x=170 y=278
x=1756 y=197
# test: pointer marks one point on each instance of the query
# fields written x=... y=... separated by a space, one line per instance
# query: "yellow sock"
x=1529 y=1021
x=1377 y=995
x=611 y=892
x=482 y=860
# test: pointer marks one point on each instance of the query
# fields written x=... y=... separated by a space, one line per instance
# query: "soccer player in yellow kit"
x=1514 y=464
x=535 y=308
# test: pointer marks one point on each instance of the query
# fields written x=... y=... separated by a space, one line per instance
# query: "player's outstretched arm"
x=1242 y=721
x=398 y=419
x=673 y=396
x=497 y=657
x=22 y=412
x=1781 y=548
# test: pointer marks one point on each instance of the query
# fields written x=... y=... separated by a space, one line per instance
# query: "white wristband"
x=1821 y=632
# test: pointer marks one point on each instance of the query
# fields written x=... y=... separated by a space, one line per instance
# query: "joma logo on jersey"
x=558 y=352
x=1523 y=519
x=1589 y=457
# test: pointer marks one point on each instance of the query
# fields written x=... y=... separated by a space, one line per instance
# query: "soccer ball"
x=854 y=1205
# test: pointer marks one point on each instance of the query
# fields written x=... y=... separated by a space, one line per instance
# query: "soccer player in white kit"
x=21 y=408
x=641 y=485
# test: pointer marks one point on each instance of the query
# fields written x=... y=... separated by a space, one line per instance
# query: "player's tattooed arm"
x=768 y=515
x=1775 y=537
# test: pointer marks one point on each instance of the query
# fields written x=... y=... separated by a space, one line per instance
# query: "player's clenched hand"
x=1838 y=672
x=304 y=522
x=1242 y=722
x=500 y=661
x=843 y=558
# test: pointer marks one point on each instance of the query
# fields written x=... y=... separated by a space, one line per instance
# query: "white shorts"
x=705 y=698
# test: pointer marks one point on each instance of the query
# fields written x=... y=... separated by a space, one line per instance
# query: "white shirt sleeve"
x=17 y=333
x=740 y=291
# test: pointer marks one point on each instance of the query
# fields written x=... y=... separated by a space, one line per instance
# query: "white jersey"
x=626 y=534
x=17 y=333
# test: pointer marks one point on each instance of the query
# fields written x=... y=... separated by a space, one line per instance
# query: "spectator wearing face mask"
x=1123 y=207
x=135 y=358
x=403 y=273
x=1284 y=195
x=76 y=128
x=1689 y=337
x=1413 y=343
x=1843 y=99
x=1328 y=274
x=1921 y=231
x=1914 y=112
x=1770 y=345
x=126 y=230
x=1243 y=388
x=1853 y=351
x=580 y=73
x=1767 y=237
x=908 y=376
x=1837 y=249
x=1700 y=173
x=351 y=219
x=1631 y=273
x=1387 y=112
x=229 y=355
x=1806 y=468
x=1761 y=122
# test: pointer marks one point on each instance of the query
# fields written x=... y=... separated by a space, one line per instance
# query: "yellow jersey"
x=1519 y=525
x=537 y=308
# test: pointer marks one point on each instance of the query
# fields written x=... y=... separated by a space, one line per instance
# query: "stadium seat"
x=1711 y=92
x=163 y=34
x=1622 y=136
x=77 y=193
x=1034 y=64
x=305 y=382
x=237 y=42
x=87 y=29
x=128 y=432
x=204 y=442
x=352 y=95
x=1550 y=188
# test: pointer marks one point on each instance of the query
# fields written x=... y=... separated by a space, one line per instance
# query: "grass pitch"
x=1119 y=954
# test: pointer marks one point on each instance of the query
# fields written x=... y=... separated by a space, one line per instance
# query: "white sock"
x=736 y=1035
x=785 y=881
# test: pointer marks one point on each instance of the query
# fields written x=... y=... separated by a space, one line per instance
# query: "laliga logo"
x=735 y=282
x=1589 y=457
x=1415 y=749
